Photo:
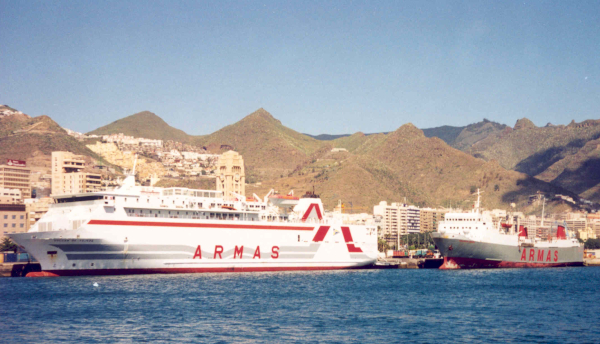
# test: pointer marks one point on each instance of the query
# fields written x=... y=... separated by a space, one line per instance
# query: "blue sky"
x=319 y=67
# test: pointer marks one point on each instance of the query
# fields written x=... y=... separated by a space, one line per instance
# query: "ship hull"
x=463 y=253
x=113 y=272
x=146 y=247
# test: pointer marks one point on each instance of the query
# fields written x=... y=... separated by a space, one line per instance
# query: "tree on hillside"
x=7 y=245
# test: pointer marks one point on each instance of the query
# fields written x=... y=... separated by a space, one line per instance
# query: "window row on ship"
x=461 y=219
x=198 y=204
x=200 y=215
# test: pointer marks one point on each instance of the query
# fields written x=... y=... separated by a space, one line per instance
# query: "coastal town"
x=26 y=194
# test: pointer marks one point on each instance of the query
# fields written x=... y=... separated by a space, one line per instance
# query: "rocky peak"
x=261 y=114
x=524 y=123
x=409 y=130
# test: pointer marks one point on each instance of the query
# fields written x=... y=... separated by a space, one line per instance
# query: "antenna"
x=543 y=209
x=134 y=164
x=478 y=203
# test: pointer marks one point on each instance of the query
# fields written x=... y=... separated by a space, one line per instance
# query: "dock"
x=409 y=263
x=18 y=269
x=17 y=264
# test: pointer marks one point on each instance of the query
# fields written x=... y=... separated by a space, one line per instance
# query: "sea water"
x=361 y=306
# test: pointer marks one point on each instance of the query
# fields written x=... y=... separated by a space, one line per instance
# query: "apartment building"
x=68 y=176
x=397 y=219
x=15 y=175
x=430 y=219
x=10 y=196
x=36 y=208
x=13 y=218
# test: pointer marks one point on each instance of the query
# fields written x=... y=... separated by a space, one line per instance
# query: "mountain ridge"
x=144 y=124
x=272 y=151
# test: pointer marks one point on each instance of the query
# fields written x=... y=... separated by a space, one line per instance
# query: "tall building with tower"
x=230 y=175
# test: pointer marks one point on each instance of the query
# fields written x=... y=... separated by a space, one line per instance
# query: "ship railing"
x=277 y=219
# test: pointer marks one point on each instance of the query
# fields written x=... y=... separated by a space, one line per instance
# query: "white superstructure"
x=174 y=230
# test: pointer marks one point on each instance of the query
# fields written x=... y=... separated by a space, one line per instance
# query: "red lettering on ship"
x=275 y=251
x=540 y=256
x=556 y=256
x=349 y=241
x=531 y=254
x=198 y=253
x=549 y=257
x=239 y=251
x=257 y=252
x=218 y=251
x=524 y=255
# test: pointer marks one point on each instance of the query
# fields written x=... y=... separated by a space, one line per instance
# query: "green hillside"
x=269 y=148
x=143 y=124
x=34 y=140
x=464 y=137
x=407 y=165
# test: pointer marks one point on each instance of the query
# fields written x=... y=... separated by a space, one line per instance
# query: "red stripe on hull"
x=321 y=233
x=471 y=263
x=100 y=272
x=348 y=239
x=194 y=225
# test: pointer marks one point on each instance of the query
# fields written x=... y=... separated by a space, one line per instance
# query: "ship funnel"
x=522 y=232
x=309 y=209
x=560 y=233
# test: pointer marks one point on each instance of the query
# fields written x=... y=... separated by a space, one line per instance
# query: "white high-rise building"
x=397 y=219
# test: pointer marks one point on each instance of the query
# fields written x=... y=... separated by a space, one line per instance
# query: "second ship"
x=470 y=240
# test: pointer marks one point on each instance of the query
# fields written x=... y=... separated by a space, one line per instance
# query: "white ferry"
x=143 y=230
